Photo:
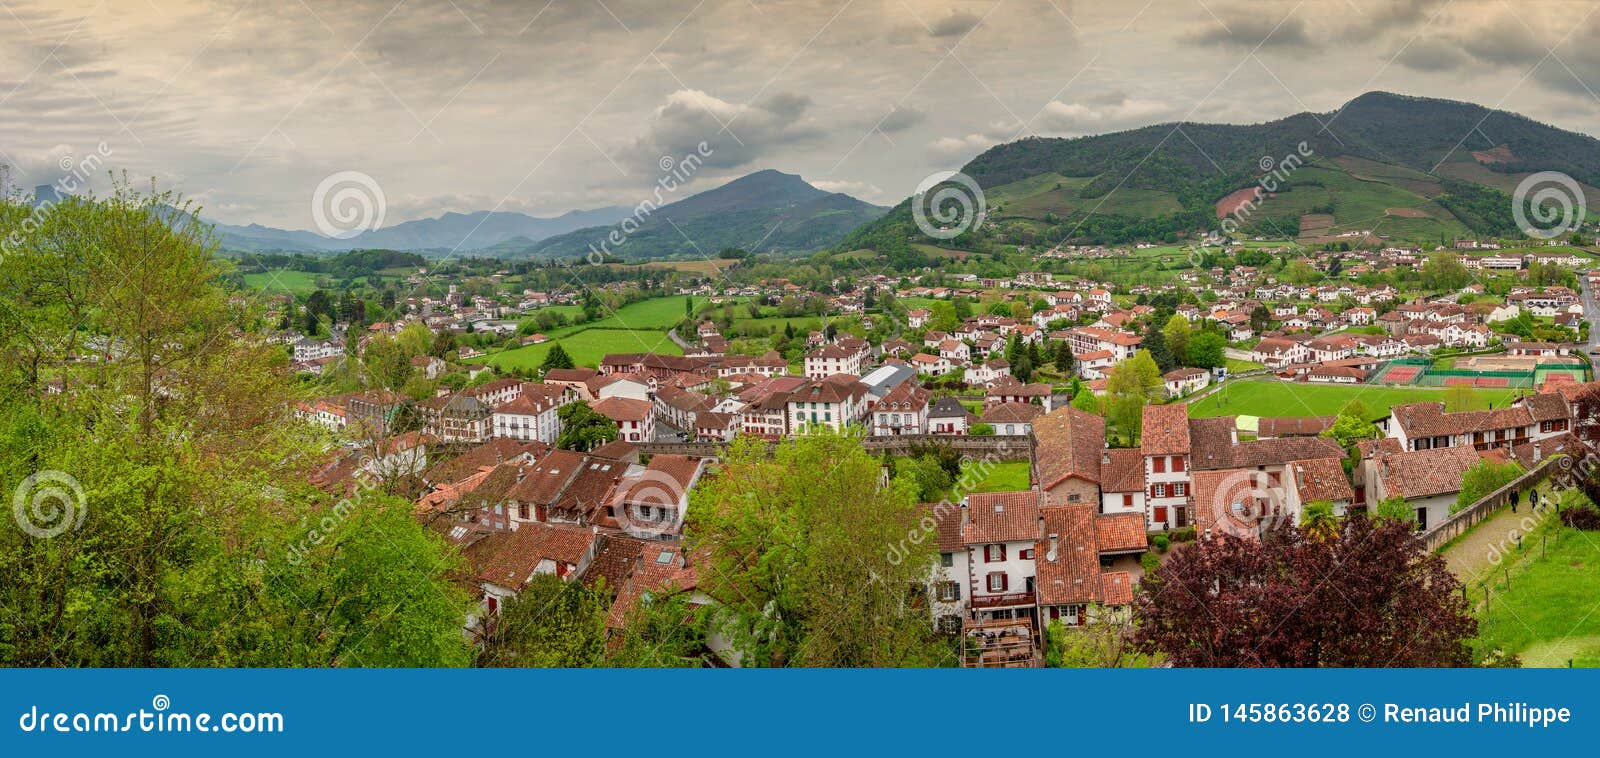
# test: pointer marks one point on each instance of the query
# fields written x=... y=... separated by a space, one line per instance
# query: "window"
x=1158 y=464
x=1026 y=554
x=993 y=553
x=1177 y=464
x=947 y=559
x=1074 y=497
x=1180 y=489
x=1127 y=500
x=949 y=592
x=997 y=581
x=1160 y=514
x=522 y=511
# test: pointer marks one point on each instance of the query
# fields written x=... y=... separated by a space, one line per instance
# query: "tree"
x=583 y=428
x=1206 y=350
x=982 y=430
x=1176 y=333
x=1484 y=477
x=1133 y=384
x=665 y=629
x=1087 y=402
x=201 y=542
x=1063 y=357
x=807 y=555
x=1318 y=520
x=1023 y=368
x=1348 y=430
x=556 y=358
x=551 y=623
x=1259 y=318
x=1398 y=510
x=1369 y=596
x=1155 y=345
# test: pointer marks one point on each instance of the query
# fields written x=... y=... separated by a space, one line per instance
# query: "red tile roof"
x=1001 y=517
x=1067 y=443
x=1122 y=470
x=1165 y=430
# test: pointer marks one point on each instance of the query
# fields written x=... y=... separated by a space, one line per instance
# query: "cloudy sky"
x=544 y=107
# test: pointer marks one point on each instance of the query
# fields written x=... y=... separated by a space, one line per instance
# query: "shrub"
x=1585 y=517
x=1150 y=562
x=1161 y=542
x=1186 y=534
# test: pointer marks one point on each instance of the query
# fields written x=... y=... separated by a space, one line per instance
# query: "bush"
x=1585 y=517
x=1161 y=542
x=1150 y=562
x=1186 y=534
x=982 y=430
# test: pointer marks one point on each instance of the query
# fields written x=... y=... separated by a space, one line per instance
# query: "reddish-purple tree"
x=1367 y=596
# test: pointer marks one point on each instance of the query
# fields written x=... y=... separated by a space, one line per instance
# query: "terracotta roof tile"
x=1067 y=443
x=1165 y=429
x=1001 y=517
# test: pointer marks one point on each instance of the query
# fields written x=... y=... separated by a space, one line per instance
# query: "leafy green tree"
x=583 y=428
x=556 y=358
x=1176 y=333
x=1206 y=350
x=1155 y=345
x=200 y=542
x=807 y=555
x=1484 y=477
x=551 y=623
x=666 y=629
x=1348 y=430
x=1396 y=509
x=1063 y=357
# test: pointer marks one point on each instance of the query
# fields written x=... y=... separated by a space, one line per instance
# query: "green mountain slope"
x=1392 y=165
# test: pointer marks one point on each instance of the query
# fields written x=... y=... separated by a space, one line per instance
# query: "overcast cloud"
x=480 y=104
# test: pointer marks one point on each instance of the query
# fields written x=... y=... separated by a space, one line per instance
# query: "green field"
x=1002 y=476
x=294 y=282
x=1272 y=398
x=588 y=346
x=1235 y=366
x=1363 y=202
x=1036 y=196
x=656 y=313
x=1547 y=614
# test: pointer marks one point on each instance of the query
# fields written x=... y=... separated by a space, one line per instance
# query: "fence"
x=1460 y=521
x=1014 y=447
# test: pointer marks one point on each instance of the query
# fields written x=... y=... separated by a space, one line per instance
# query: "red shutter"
x=1005 y=579
x=1159 y=464
x=1161 y=514
x=1127 y=501
x=1177 y=464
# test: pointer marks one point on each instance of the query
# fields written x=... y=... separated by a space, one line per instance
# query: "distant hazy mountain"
x=451 y=231
x=765 y=211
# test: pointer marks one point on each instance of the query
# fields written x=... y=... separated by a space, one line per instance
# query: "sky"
x=248 y=106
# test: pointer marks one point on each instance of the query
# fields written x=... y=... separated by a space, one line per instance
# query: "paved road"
x=1591 y=311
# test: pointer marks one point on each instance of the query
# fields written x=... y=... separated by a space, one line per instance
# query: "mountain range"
x=1406 y=168
x=764 y=211
x=451 y=231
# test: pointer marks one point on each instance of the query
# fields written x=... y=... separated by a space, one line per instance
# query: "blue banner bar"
x=598 y=712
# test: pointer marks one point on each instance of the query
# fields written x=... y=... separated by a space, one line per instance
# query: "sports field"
x=1273 y=398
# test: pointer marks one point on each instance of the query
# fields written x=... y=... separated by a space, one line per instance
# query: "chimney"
x=965 y=515
x=1055 y=543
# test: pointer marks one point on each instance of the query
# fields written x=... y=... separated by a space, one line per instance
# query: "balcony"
x=1002 y=600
